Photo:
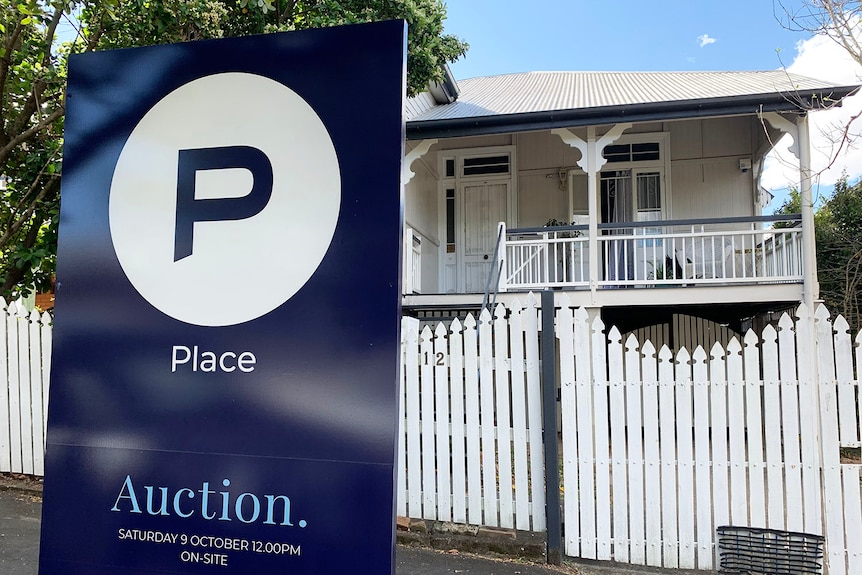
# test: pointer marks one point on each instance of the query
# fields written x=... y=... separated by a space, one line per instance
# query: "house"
x=636 y=193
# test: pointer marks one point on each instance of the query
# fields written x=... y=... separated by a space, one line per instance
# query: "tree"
x=841 y=22
x=32 y=83
x=838 y=233
x=839 y=251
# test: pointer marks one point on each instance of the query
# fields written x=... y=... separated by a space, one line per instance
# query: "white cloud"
x=821 y=58
x=705 y=40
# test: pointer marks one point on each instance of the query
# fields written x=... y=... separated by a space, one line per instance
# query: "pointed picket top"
x=770 y=335
x=614 y=336
x=22 y=310
x=699 y=355
x=683 y=357
x=665 y=354
x=455 y=326
x=426 y=335
x=34 y=316
x=785 y=323
x=12 y=310
x=716 y=351
x=598 y=325
x=840 y=325
x=566 y=314
x=532 y=300
x=500 y=311
x=565 y=300
x=441 y=332
x=734 y=347
x=46 y=318
x=648 y=349
x=485 y=316
x=751 y=339
x=821 y=313
x=581 y=315
x=631 y=342
x=515 y=305
x=802 y=311
x=469 y=322
x=2 y=302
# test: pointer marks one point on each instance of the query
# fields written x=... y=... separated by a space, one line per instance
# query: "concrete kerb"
x=25 y=484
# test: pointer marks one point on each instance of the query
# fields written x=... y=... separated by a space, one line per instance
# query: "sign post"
x=224 y=387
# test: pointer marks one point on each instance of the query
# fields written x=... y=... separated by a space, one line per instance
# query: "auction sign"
x=225 y=369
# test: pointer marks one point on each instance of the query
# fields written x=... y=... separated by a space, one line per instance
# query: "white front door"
x=484 y=206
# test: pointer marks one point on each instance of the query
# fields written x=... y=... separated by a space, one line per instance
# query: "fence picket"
x=585 y=432
x=853 y=523
x=820 y=339
x=619 y=455
x=637 y=533
x=685 y=457
x=443 y=459
x=754 y=429
x=772 y=391
x=568 y=403
x=829 y=434
x=401 y=479
x=15 y=438
x=46 y=330
x=718 y=414
x=534 y=415
x=702 y=479
x=790 y=423
x=25 y=391
x=668 y=459
x=519 y=416
x=413 y=422
x=472 y=414
x=652 y=459
x=5 y=437
x=486 y=405
x=459 y=468
x=849 y=432
x=604 y=503
x=736 y=434
x=426 y=394
x=504 y=426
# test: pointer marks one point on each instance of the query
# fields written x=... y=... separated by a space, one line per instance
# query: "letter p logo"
x=191 y=210
x=251 y=192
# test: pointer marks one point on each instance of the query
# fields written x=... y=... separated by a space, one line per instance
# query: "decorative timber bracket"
x=420 y=150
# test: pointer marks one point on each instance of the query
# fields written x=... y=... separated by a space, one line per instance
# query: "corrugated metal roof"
x=537 y=92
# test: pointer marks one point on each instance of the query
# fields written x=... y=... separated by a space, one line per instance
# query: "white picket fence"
x=25 y=355
x=657 y=451
x=660 y=451
x=470 y=450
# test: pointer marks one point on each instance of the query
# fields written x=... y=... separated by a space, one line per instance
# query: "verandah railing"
x=749 y=250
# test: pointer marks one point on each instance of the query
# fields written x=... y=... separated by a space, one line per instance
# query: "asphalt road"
x=19 y=532
x=20 y=522
x=20 y=514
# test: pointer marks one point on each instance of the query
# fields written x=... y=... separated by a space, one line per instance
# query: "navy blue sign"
x=226 y=348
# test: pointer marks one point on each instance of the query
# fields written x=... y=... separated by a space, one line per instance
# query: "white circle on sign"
x=214 y=270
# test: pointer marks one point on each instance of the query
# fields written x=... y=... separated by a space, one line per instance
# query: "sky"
x=506 y=36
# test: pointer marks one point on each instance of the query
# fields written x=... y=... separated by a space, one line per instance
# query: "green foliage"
x=32 y=81
x=838 y=233
x=33 y=74
x=145 y=22
x=839 y=251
